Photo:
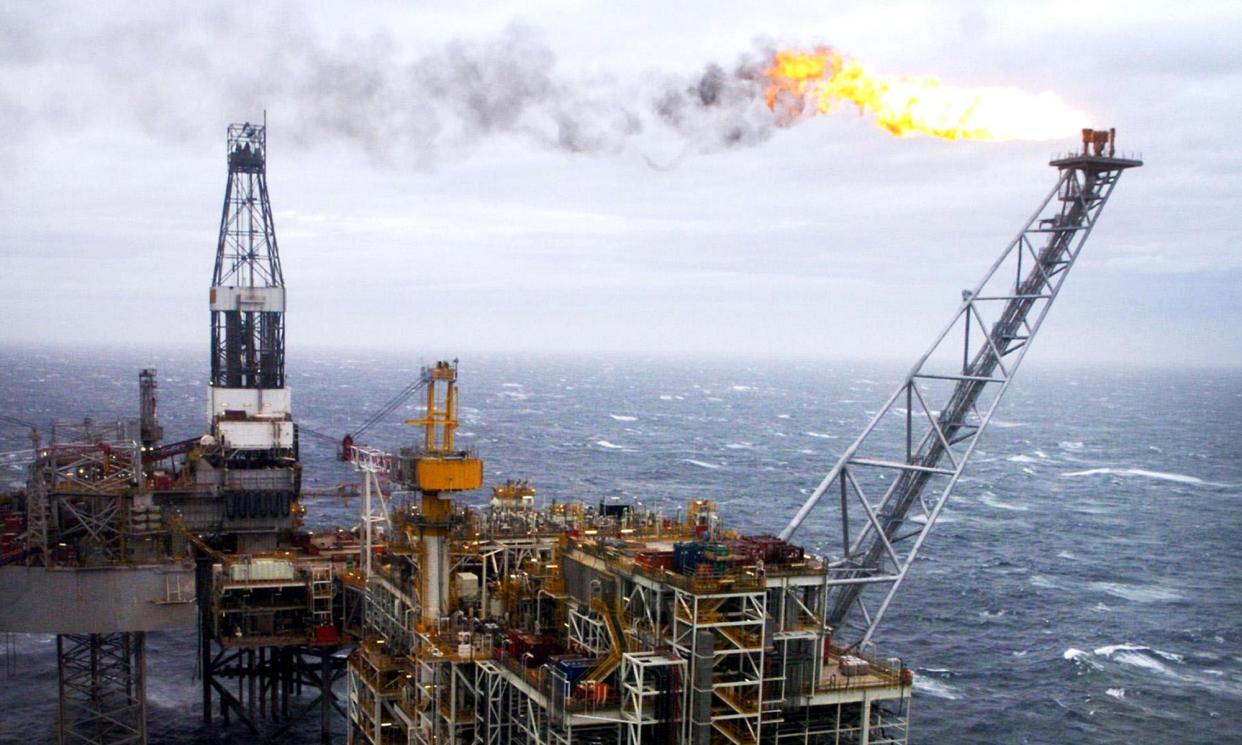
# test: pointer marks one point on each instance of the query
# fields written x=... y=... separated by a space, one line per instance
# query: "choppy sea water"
x=1084 y=584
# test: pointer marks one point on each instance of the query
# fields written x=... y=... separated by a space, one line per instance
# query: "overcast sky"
x=545 y=207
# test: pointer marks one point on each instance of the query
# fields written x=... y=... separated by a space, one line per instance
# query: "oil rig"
x=434 y=622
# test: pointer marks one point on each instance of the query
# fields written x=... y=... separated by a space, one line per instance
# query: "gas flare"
x=803 y=83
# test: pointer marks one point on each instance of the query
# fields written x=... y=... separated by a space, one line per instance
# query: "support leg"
x=102 y=686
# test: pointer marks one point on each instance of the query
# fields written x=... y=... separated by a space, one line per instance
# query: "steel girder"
x=895 y=479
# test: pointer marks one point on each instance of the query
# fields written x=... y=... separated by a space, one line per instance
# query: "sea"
x=1084 y=584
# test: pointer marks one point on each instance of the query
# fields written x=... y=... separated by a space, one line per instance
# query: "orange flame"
x=804 y=83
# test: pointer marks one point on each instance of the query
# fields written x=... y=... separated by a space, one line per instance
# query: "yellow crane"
x=437 y=470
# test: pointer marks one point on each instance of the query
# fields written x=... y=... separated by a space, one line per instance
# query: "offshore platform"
x=436 y=623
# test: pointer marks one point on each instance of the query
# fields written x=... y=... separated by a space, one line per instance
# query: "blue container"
x=573 y=669
x=686 y=557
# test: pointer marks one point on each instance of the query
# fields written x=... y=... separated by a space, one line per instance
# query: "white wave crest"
x=1080 y=657
x=1020 y=459
x=1117 y=693
x=700 y=463
x=610 y=445
x=1140 y=660
x=1112 y=649
x=1144 y=594
x=821 y=435
x=1179 y=478
x=624 y=417
x=936 y=688
x=1071 y=445
x=990 y=500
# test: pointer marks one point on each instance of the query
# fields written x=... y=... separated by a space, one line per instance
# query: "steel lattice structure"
x=375 y=465
x=247 y=328
x=80 y=494
x=895 y=479
x=102 y=688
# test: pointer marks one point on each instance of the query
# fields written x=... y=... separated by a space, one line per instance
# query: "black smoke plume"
x=171 y=74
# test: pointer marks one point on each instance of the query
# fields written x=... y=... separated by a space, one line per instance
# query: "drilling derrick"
x=925 y=434
x=250 y=412
x=247 y=287
x=249 y=459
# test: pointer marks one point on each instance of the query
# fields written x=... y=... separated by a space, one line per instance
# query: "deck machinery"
x=576 y=623
x=617 y=625
x=512 y=623
x=517 y=624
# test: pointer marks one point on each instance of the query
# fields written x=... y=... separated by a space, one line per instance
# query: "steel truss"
x=644 y=605
x=441 y=707
x=81 y=494
x=248 y=345
x=500 y=558
x=373 y=685
x=895 y=479
x=729 y=628
x=102 y=689
x=796 y=607
x=260 y=682
x=588 y=632
x=885 y=724
x=651 y=688
x=389 y=614
x=375 y=466
x=491 y=720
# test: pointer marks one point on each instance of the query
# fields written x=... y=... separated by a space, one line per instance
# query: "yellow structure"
x=437 y=470
x=437 y=467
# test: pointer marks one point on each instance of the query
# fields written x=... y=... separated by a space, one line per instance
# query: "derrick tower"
x=250 y=405
x=266 y=611
x=250 y=457
x=247 y=287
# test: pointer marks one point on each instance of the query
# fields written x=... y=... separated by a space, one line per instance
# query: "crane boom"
x=896 y=477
